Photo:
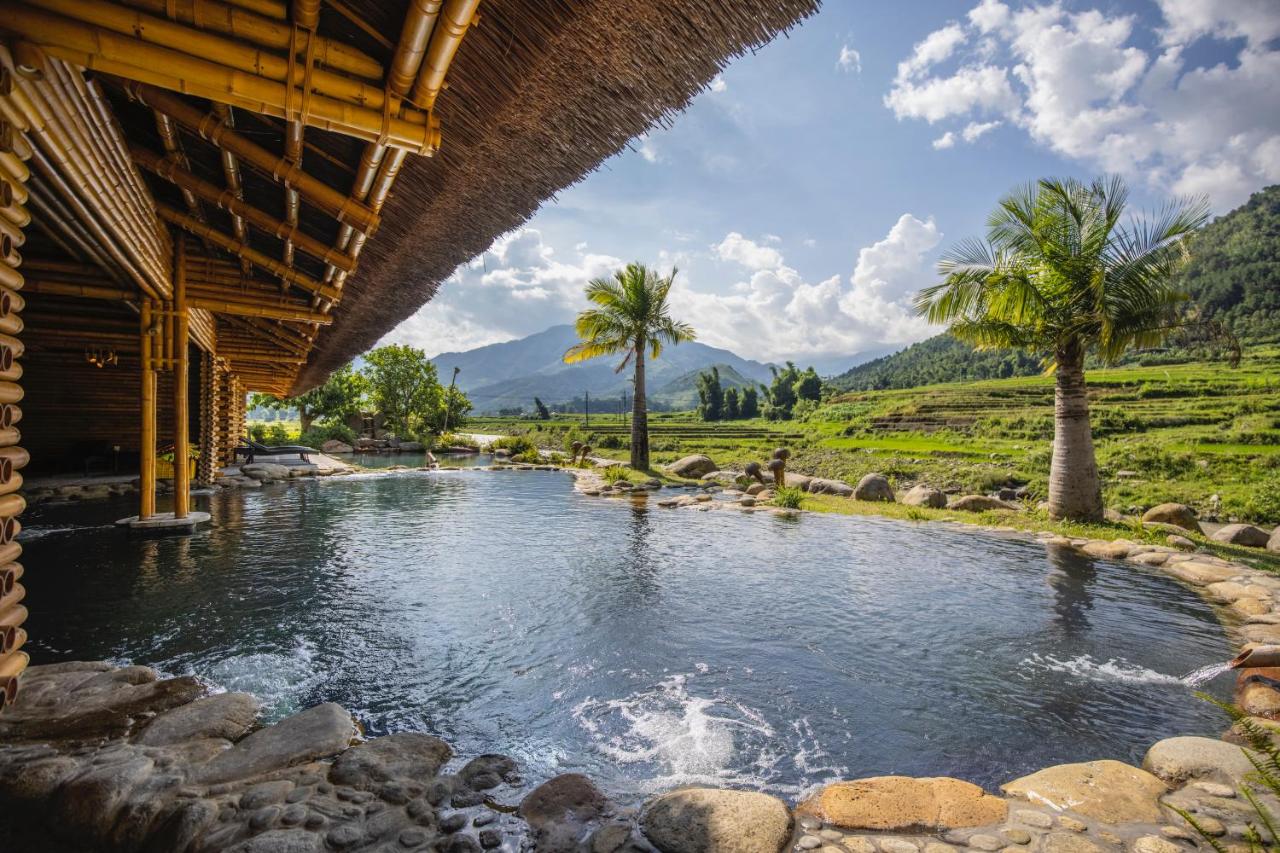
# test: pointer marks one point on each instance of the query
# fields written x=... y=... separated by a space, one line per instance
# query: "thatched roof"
x=540 y=94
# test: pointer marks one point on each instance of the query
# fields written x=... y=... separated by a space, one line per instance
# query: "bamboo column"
x=208 y=410
x=147 y=449
x=181 y=427
x=14 y=149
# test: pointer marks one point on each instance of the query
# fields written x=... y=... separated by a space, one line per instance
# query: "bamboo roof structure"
x=328 y=165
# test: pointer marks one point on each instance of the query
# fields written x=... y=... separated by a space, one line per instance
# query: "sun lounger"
x=251 y=449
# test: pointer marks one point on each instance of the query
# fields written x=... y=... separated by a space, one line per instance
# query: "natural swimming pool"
x=646 y=647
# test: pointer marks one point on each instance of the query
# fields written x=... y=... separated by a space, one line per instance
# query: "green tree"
x=732 y=410
x=750 y=403
x=1060 y=274
x=404 y=388
x=630 y=316
x=544 y=414
x=710 y=395
x=782 y=392
x=809 y=386
x=340 y=396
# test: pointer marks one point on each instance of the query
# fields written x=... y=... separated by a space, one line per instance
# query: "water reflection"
x=1072 y=575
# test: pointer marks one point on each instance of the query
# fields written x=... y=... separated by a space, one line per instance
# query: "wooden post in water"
x=147 y=449
x=181 y=427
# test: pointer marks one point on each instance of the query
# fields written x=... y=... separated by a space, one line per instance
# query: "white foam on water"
x=1112 y=670
x=1205 y=674
x=281 y=681
x=679 y=738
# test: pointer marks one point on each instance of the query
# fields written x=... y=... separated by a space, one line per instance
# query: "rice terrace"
x=584 y=426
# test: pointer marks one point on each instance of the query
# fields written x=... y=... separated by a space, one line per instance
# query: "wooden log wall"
x=228 y=405
x=13 y=660
x=207 y=466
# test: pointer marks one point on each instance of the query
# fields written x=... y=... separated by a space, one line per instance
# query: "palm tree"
x=1061 y=275
x=630 y=316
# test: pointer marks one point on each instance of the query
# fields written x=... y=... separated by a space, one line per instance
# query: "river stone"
x=1241 y=534
x=710 y=820
x=874 y=487
x=820 y=486
x=333 y=445
x=265 y=471
x=570 y=797
x=692 y=466
x=904 y=804
x=1180 y=515
x=1200 y=573
x=317 y=732
x=1117 y=550
x=1067 y=842
x=1273 y=544
x=979 y=503
x=1109 y=791
x=1179 y=759
x=405 y=755
x=280 y=841
x=223 y=715
x=925 y=496
x=1182 y=543
x=1154 y=844
x=488 y=771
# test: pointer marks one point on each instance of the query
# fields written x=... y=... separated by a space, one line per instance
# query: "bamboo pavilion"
x=202 y=198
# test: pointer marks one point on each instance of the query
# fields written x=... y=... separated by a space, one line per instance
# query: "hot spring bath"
x=646 y=648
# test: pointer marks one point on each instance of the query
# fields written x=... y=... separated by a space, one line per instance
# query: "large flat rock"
x=1109 y=791
x=408 y=755
x=905 y=804
x=711 y=820
x=1181 y=759
x=223 y=715
x=317 y=732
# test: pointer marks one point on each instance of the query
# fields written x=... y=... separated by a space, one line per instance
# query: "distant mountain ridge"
x=512 y=373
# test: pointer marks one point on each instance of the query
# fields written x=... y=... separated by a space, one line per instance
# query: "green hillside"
x=1233 y=278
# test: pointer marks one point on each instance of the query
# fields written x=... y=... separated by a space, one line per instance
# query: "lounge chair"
x=250 y=449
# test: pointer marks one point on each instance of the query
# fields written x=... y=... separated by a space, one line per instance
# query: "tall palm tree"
x=630 y=316
x=1060 y=274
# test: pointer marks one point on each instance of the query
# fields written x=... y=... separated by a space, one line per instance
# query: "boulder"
x=1273 y=544
x=1108 y=791
x=404 y=755
x=799 y=481
x=710 y=820
x=1182 y=759
x=333 y=445
x=925 y=496
x=979 y=503
x=412 y=447
x=1241 y=534
x=1179 y=515
x=1117 y=550
x=874 y=487
x=692 y=466
x=488 y=771
x=1182 y=543
x=265 y=471
x=755 y=489
x=904 y=804
x=223 y=715
x=820 y=486
x=317 y=732
x=562 y=811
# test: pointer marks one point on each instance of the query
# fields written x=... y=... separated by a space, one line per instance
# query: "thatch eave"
x=540 y=94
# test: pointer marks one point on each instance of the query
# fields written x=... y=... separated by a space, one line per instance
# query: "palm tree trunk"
x=639 y=417
x=1074 y=489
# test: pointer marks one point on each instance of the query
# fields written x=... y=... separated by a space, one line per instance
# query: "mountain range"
x=512 y=373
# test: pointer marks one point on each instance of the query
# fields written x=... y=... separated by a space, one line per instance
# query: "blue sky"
x=807 y=193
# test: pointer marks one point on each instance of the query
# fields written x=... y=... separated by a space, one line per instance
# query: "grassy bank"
x=1184 y=432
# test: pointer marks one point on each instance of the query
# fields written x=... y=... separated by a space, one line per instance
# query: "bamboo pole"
x=454 y=21
x=236 y=247
x=227 y=200
x=249 y=26
x=113 y=53
x=341 y=207
x=271 y=312
x=233 y=54
x=418 y=22
x=181 y=425
x=11 y=667
x=231 y=176
x=147 y=451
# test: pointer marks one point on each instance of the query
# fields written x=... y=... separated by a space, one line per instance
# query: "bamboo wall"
x=14 y=216
x=73 y=406
x=228 y=404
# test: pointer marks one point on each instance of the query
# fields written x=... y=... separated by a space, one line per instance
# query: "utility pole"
x=448 y=401
x=587 y=405
x=622 y=412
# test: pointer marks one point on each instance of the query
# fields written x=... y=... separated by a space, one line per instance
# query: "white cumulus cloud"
x=849 y=60
x=1083 y=83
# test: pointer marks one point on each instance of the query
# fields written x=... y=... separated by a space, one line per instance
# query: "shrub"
x=804 y=410
x=615 y=442
x=528 y=457
x=517 y=444
x=320 y=433
x=615 y=474
x=788 y=497
x=453 y=439
x=272 y=434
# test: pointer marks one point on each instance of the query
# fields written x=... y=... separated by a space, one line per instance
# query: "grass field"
x=1186 y=433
